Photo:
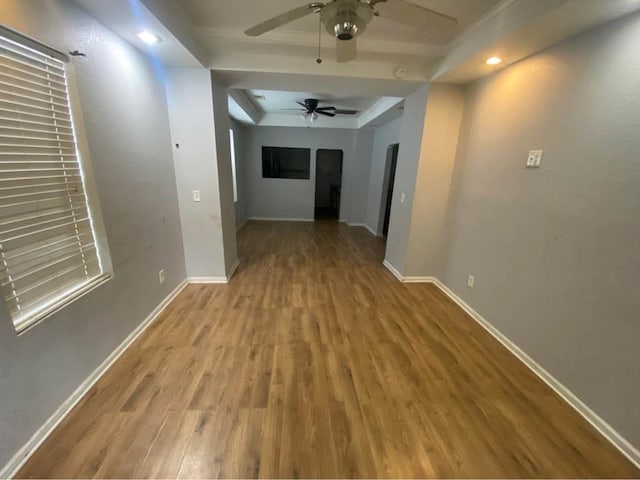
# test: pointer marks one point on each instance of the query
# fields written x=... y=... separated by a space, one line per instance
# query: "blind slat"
x=13 y=123
x=30 y=90
x=45 y=101
x=53 y=115
x=26 y=72
x=44 y=230
x=39 y=185
x=17 y=81
x=27 y=53
x=49 y=264
x=39 y=192
x=34 y=251
x=31 y=202
x=50 y=278
x=39 y=139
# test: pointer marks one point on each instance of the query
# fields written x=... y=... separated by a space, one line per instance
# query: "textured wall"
x=383 y=137
x=555 y=251
x=241 y=147
x=425 y=249
x=126 y=122
x=190 y=102
x=222 y=160
x=411 y=133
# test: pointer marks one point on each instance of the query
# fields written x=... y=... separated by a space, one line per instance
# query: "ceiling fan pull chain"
x=319 y=59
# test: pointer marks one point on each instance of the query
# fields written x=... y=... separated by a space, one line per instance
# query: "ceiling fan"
x=347 y=19
x=311 y=110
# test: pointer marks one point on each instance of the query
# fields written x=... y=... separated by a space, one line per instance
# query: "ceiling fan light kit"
x=347 y=19
x=311 y=110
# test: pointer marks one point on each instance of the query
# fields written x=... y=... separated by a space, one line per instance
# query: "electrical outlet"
x=534 y=160
x=161 y=277
x=196 y=196
x=403 y=197
x=472 y=281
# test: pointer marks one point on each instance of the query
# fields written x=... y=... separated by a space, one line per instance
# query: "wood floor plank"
x=316 y=362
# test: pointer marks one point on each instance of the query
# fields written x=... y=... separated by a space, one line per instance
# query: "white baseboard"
x=11 y=469
x=207 y=280
x=215 y=280
x=233 y=270
x=419 y=279
x=281 y=219
x=404 y=279
x=617 y=440
x=364 y=225
x=393 y=270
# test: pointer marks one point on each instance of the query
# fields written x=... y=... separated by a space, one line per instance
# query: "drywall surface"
x=127 y=127
x=425 y=249
x=384 y=136
x=555 y=250
x=239 y=135
x=295 y=199
x=222 y=125
x=358 y=172
x=189 y=96
x=411 y=133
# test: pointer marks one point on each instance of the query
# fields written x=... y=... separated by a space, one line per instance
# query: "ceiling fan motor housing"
x=345 y=19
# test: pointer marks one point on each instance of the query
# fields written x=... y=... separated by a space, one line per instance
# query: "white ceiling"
x=220 y=25
x=280 y=108
x=279 y=102
x=233 y=18
x=211 y=33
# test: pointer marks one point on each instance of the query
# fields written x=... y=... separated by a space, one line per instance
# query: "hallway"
x=316 y=362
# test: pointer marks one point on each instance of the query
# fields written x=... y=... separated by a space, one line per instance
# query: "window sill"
x=37 y=318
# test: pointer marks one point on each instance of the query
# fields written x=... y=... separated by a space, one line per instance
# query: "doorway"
x=328 y=184
x=389 y=179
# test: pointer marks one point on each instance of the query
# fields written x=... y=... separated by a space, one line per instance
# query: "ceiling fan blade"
x=302 y=105
x=338 y=111
x=326 y=114
x=420 y=18
x=283 y=19
x=346 y=50
x=346 y=112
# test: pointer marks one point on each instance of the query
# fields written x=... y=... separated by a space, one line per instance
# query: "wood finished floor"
x=316 y=362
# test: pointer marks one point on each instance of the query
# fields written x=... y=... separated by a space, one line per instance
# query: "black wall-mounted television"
x=283 y=162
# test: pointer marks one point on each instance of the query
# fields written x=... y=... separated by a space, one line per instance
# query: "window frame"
x=88 y=180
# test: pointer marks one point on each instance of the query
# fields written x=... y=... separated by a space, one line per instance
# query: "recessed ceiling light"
x=149 y=38
x=494 y=60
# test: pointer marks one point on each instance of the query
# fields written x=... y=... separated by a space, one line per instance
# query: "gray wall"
x=384 y=136
x=424 y=255
x=408 y=160
x=222 y=124
x=295 y=199
x=190 y=101
x=556 y=251
x=127 y=128
x=241 y=147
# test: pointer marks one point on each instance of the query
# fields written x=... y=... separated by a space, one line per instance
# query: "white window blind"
x=48 y=249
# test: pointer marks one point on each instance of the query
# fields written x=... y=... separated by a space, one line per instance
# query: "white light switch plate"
x=534 y=160
x=196 y=195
